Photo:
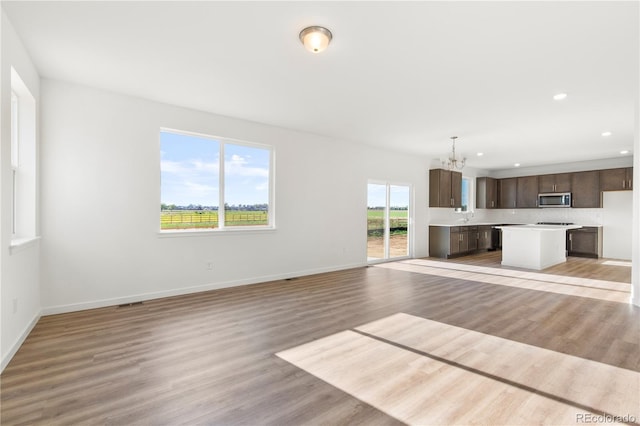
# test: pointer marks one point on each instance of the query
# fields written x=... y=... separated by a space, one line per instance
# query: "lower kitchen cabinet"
x=484 y=237
x=451 y=241
x=472 y=238
x=585 y=242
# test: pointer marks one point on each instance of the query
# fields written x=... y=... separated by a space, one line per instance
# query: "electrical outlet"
x=209 y=266
x=15 y=306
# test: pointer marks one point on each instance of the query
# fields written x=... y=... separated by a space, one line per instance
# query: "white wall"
x=19 y=268
x=635 y=257
x=100 y=203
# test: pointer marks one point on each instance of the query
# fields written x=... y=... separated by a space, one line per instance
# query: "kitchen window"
x=466 y=198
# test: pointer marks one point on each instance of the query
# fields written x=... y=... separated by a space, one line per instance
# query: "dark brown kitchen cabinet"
x=585 y=189
x=456 y=189
x=450 y=241
x=472 y=238
x=445 y=188
x=463 y=241
x=527 y=192
x=460 y=240
x=444 y=241
x=522 y=192
x=616 y=179
x=585 y=241
x=507 y=193
x=486 y=193
x=484 y=237
x=560 y=182
x=454 y=242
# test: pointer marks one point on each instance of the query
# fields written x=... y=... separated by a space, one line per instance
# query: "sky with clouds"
x=190 y=171
x=377 y=196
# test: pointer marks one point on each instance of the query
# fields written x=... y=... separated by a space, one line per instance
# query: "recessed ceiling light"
x=480 y=154
x=624 y=151
x=559 y=96
x=605 y=134
x=516 y=165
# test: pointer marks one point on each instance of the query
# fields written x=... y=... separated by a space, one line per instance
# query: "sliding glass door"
x=388 y=221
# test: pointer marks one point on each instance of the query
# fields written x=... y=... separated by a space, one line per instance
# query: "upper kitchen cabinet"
x=486 y=193
x=560 y=182
x=507 y=189
x=585 y=188
x=527 y=192
x=616 y=179
x=445 y=188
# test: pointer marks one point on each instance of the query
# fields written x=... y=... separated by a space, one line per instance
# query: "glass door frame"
x=387 y=222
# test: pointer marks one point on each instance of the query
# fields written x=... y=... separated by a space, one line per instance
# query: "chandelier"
x=453 y=163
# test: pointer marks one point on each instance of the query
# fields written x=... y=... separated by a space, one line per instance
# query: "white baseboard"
x=19 y=341
x=61 y=309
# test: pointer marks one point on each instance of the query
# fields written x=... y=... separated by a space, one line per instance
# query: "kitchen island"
x=534 y=246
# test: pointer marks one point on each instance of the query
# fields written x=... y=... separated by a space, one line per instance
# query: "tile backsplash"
x=577 y=216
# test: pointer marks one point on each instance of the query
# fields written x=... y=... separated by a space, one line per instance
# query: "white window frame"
x=24 y=164
x=222 y=228
x=469 y=193
x=471 y=201
x=15 y=147
x=387 y=213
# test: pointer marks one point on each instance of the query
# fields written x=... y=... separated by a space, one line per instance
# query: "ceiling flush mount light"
x=559 y=96
x=624 y=152
x=315 y=39
x=516 y=165
x=605 y=134
x=480 y=154
x=452 y=162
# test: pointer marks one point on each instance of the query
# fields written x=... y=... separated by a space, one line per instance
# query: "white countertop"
x=533 y=227
x=514 y=224
x=467 y=224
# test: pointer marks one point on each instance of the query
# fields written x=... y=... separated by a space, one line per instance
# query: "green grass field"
x=186 y=219
x=397 y=219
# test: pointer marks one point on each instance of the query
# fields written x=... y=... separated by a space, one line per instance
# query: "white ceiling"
x=400 y=75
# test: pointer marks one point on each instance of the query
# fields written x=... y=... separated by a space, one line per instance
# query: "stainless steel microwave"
x=559 y=199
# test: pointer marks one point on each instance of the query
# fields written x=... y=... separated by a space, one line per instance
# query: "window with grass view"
x=387 y=221
x=209 y=183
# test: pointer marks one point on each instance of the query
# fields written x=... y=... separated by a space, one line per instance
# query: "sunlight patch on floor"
x=426 y=372
x=617 y=263
x=560 y=284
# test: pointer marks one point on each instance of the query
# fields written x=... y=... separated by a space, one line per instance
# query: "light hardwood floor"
x=227 y=356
